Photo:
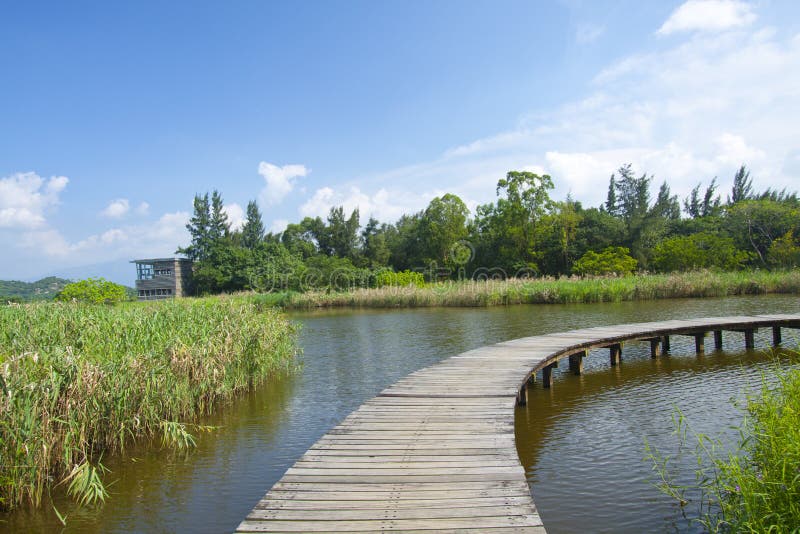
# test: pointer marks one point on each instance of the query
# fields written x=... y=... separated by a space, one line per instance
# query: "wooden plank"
x=393 y=513
x=276 y=503
x=389 y=524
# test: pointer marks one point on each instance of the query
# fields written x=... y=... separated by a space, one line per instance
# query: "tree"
x=785 y=251
x=218 y=225
x=443 y=224
x=706 y=207
x=93 y=291
x=527 y=200
x=742 y=186
x=755 y=224
x=612 y=203
x=697 y=251
x=666 y=205
x=340 y=237
x=253 y=229
x=376 y=251
x=199 y=228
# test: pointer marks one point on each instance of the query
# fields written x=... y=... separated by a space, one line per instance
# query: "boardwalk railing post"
x=776 y=335
x=717 y=339
x=615 y=353
x=665 y=344
x=576 y=362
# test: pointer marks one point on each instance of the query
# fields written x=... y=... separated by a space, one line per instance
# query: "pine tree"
x=742 y=186
x=199 y=229
x=253 y=229
x=612 y=204
x=219 y=226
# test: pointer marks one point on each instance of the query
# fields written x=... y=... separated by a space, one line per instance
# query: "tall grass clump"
x=546 y=290
x=77 y=380
x=756 y=486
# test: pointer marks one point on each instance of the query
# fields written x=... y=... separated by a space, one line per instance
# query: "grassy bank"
x=79 y=380
x=548 y=290
x=756 y=486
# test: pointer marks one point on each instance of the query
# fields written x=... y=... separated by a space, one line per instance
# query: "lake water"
x=581 y=442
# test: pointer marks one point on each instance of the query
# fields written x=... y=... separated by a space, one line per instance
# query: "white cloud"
x=116 y=208
x=235 y=214
x=383 y=204
x=278 y=226
x=708 y=15
x=686 y=113
x=279 y=180
x=143 y=209
x=24 y=198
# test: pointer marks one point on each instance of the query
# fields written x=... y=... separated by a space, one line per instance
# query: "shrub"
x=697 y=251
x=94 y=291
x=612 y=260
x=401 y=279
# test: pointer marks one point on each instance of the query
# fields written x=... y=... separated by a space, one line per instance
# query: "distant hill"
x=44 y=289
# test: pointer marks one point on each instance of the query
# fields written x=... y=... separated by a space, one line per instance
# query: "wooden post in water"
x=665 y=344
x=576 y=362
x=717 y=339
x=776 y=335
x=749 y=339
x=547 y=375
x=655 y=347
x=700 y=343
x=615 y=353
x=522 y=395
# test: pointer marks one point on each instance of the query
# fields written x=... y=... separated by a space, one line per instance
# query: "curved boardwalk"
x=435 y=451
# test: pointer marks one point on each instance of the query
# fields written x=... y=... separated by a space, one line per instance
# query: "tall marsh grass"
x=78 y=380
x=548 y=290
x=756 y=486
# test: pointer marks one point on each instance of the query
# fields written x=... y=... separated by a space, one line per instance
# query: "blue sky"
x=115 y=114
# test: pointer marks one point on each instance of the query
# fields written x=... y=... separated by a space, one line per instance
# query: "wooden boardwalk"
x=435 y=452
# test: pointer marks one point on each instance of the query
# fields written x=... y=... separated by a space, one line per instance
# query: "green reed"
x=756 y=486
x=548 y=290
x=79 y=380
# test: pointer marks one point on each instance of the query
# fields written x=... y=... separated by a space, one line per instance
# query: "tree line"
x=524 y=232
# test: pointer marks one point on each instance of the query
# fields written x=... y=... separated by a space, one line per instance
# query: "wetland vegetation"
x=82 y=380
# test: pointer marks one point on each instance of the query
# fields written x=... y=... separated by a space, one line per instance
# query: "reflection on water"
x=578 y=426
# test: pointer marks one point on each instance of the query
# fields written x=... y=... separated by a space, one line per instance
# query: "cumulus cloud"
x=278 y=226
x=236 y=216
x=386 y=205
x=143 y=209
x=708 y=15
x=684 y=112
x=279 y=180
x=116 y=208
x=24 y=198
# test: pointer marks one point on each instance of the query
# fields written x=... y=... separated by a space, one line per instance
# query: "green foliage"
x=253 y=229
x=523 y=233
x=612 y=260
x=755 y=488
x=785 y=251
x=79 y=380
x=93 y=291
x=698 y=251
x=402 y=279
